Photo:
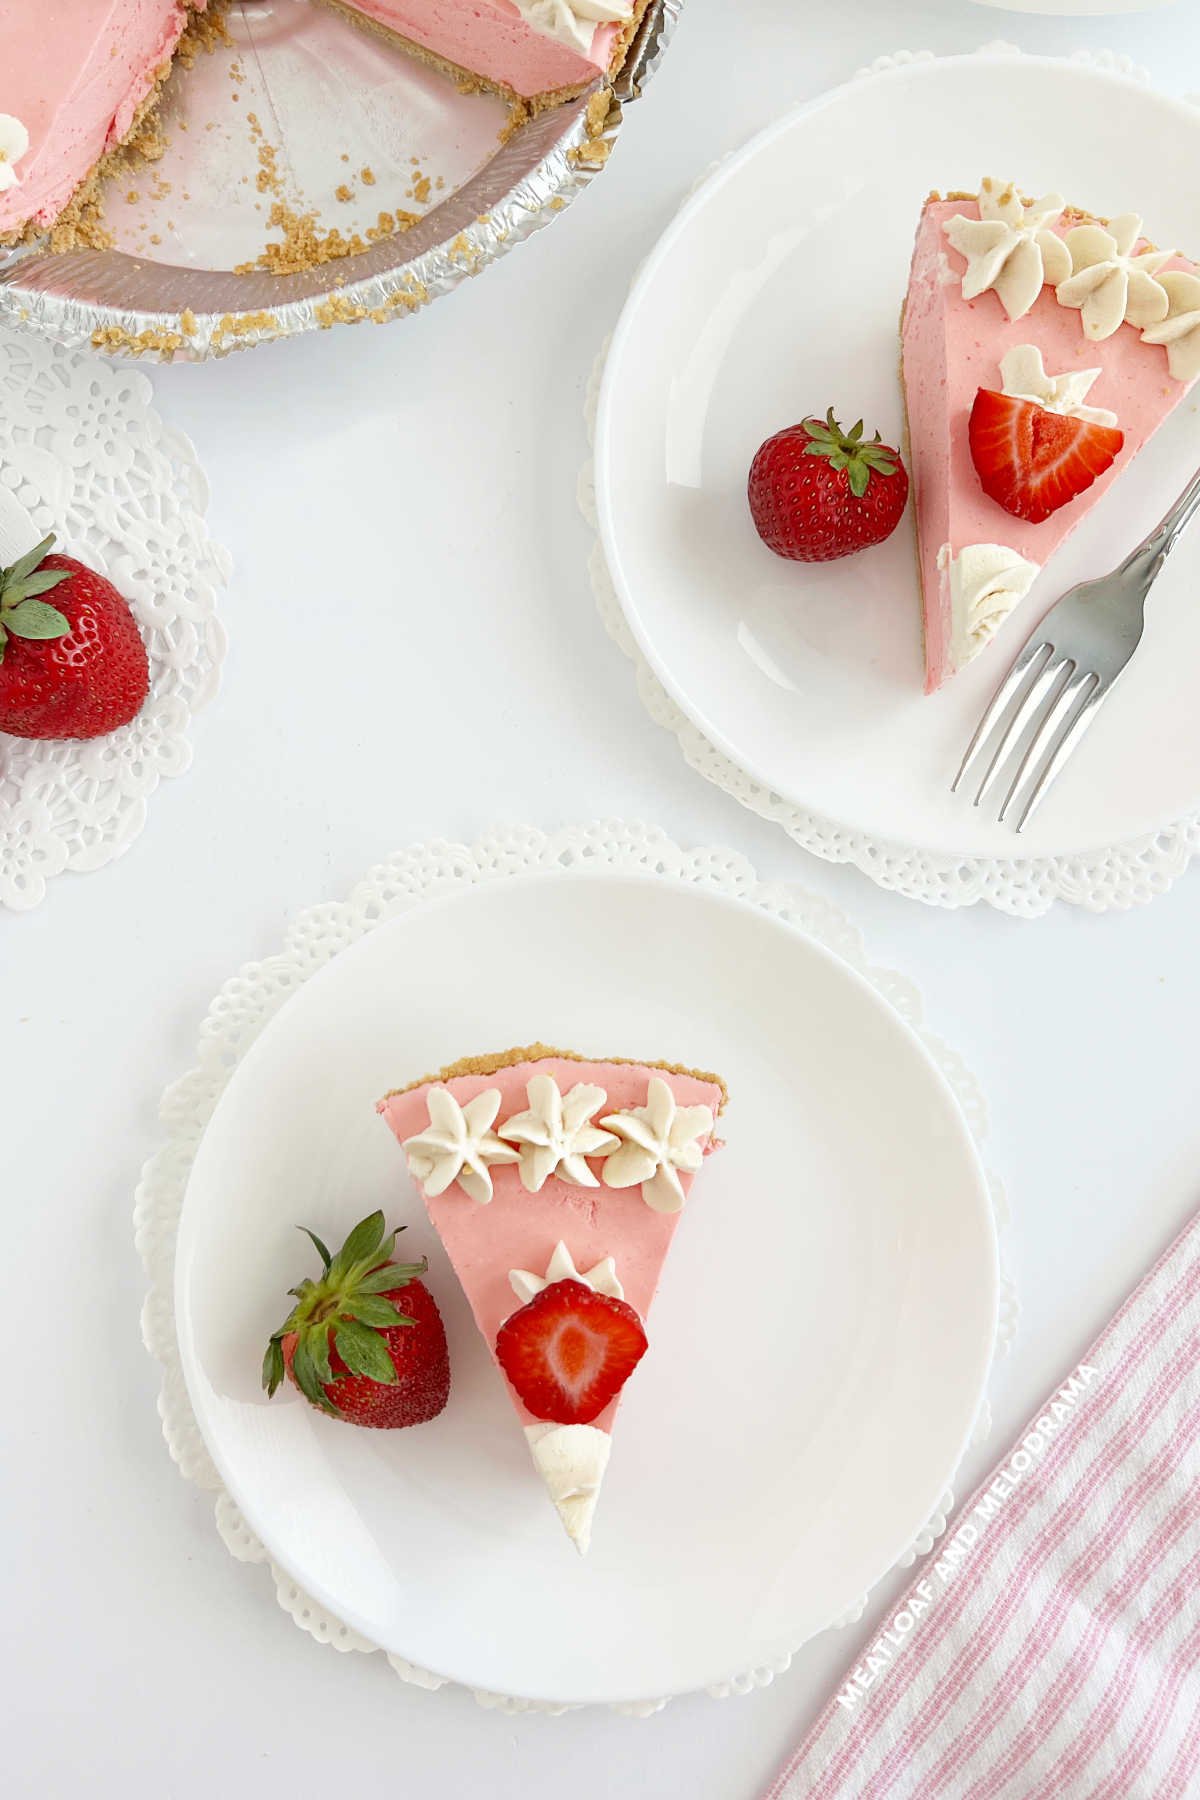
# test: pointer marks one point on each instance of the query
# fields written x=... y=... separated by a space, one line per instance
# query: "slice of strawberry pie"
x=556 y=1185
x=1042 y=347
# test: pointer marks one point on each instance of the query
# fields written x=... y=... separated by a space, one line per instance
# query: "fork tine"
x=1055 y=720
x=1025 y=718
x=1018 y=675
x=1066 y=744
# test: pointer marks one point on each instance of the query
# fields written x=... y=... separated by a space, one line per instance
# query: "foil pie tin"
x=303 y=108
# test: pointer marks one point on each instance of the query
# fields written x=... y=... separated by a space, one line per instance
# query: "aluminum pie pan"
x=134 y=305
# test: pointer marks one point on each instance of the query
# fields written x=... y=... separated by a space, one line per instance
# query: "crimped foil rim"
x=75 y=297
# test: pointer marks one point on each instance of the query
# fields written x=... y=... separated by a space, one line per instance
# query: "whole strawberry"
x=73 y=668
x=348 y=1346
x=817 y=491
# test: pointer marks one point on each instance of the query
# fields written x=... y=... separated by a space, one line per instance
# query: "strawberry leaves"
x=391 y=1275
x=304 y=1368
x=34 y=619
x=22 y=614
x=846 y=450
x=318 y=1246
x=363 y=1351
x=363 y=1240
x=375 y=1311
x=273 y=1368
x=345 y=1311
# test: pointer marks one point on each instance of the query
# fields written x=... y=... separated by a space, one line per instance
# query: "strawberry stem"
x=845 y=450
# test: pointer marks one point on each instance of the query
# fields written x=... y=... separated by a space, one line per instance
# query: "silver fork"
x=1069 y=665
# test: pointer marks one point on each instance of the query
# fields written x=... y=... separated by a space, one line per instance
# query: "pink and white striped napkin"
x=1050 y=1645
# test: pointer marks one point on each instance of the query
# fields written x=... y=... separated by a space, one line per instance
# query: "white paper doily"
x=248 y=1001
x=89 y=458
x=1122 y=876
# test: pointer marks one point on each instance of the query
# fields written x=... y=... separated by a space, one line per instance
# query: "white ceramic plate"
x=819 y=1344
x=776 y=293
x=1076 y=9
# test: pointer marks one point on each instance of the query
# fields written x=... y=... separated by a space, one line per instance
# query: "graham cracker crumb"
x=244 y=325
x=205 y=31
x=306 y=245
x=267 y=180
x=599 y=117
x=367 y=176
x=598 y=109
x=115 y=337
x=339 y=309
x=464 y=251
x=343 y=193
x=518 y=114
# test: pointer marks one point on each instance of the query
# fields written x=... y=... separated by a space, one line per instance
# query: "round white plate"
x=819 y=1344
x=1076 y=9
x=776 y=293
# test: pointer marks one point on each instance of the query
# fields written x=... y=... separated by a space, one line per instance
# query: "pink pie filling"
x=518 y=1230
x=74 y=72
x=490 y=38
x=953 y=347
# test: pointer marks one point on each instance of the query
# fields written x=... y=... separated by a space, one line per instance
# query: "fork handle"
x=1153 y=551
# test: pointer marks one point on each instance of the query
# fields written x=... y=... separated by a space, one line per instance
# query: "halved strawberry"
x=1031 y=461
x=570 y=1351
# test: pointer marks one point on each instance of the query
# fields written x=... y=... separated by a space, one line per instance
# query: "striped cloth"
x=1050 y=1645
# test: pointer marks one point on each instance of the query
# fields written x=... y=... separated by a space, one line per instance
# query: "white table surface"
x=391 y=496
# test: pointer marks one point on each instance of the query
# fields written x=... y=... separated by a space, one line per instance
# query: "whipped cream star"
x=986 y=582
x=459 y=1145
x=1024 y=376
x=602 y=1279
x=1010 y=247
x=557 y=1134
x=574 y=22
x=659 y=1141
x=1179 y=332
x=14 y=142
x=1108 y=283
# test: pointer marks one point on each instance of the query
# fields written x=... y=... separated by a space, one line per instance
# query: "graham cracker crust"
x=1071 y=215
x=907 y=458
x=504 y=1059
